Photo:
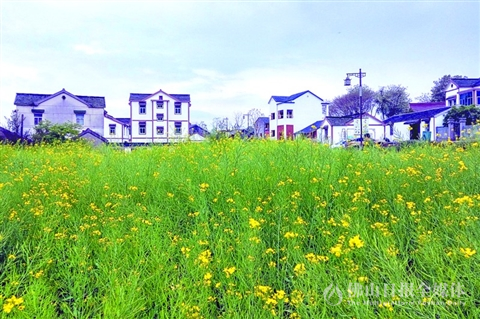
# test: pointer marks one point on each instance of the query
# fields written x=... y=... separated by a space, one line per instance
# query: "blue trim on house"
x=79 y=111
x=415 y=116
x=38 y=111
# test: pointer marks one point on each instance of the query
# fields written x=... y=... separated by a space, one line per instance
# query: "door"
x=290 y=132
x=280 y=132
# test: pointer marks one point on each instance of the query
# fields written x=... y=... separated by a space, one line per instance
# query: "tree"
x=14 y=122
x=47 y=132
x=424 y=98
x=349 y=103
x=252 y=117
x=238 y=120
x=440 y=86
x=220 y=123
x=392 y=100
x=471 y=113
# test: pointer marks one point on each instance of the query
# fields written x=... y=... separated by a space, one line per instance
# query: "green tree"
x=392 y=100
x=48 y=132
x=349 y=103
x=471 y=113
x=438 y=90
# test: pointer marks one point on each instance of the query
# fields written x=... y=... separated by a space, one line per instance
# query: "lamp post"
x=347 y=81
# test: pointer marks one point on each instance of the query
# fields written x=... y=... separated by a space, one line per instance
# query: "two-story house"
x=289 y=114
x=159 y=117
x=61 y=107
x=117 y=129
x=463 y=92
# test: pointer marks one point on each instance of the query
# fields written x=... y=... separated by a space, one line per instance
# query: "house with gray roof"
x=463 y=92
x=291 y=113
x=61 y=107
x=335 y=129
x=159 y=117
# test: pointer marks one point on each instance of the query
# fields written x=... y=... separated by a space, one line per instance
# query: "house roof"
x=417 y=107
x=311 y=128
x=341 y=120
x=264 y=119
x=291 y=98
x=416 y=116
x=134 y=97
x=462 y=83
x=120 y=120
x=6 y=135
x=93 y=133
x=33 y=99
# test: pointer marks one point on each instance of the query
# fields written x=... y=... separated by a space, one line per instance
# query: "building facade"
x=289 y=114
x=159 y=117
x=61 y=107
x=463 y=92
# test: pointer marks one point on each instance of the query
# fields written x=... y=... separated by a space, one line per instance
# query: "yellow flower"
x=253 y=223
x=467 y=252
x=300 y=269
x=290 y=235
x=8 y=307
x=355 y=242
x=12 y=257
x=336 y=250
x=229 y=271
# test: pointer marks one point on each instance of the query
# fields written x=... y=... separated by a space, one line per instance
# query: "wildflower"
x=204 y=258
x=467 y=252
x=207 y=279
x=300 y=269
x=229 y=271
x=336 y=250
x=270 y=251
x=355 y=242
x=11 y=257
x=253 y=223
x=290 y=234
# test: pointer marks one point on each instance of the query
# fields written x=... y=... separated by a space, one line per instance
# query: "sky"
x=231 y=56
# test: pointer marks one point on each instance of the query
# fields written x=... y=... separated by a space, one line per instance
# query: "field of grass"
x=235 y=229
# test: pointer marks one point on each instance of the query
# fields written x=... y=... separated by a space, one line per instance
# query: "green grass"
x=237 y=229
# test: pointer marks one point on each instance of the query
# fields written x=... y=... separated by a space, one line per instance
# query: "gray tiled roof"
x=29 y=99
x=415 y=115
x=340 y=120
x=466 y=82
x=141 y=96
x=291 y=98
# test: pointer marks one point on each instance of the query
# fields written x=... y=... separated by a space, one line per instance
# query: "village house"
x=159 y=117
x=463 y=92
x=294 y=112
x=61 y=107
x=117 y=130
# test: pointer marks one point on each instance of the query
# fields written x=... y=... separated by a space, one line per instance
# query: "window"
x=478 y=98
x=142 y=128
x=273 y=133
x=466 y=98
x=178 y=128
x=272 y=117
x=266 y=126
x=113 y=128
x=280 y=114
x=159 y=130
x=159 y=116
x=451 y=101
x=324 y=108
x=37 y=118
x=289 y=114
x=79 y=118
x=160 y=104
x=142 y=109
x=178 y=108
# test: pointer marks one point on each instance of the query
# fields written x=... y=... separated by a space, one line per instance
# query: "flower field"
x=236 y=229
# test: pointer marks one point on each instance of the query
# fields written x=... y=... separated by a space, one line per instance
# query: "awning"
x=412 y=122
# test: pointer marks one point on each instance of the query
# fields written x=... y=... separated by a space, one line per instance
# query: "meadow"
x=239 y=229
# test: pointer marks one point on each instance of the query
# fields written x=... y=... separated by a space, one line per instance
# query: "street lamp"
x=347 y=82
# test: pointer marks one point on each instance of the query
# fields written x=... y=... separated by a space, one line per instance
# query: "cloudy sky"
x=231 y=56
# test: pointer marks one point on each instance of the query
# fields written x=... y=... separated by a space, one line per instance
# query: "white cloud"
x=88 y=49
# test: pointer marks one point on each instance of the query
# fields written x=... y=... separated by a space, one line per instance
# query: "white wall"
x=121 y=131
x=59 y=110
x=168 y=122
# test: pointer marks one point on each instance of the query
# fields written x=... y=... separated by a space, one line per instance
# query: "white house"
x=61 y=107
x=426 y=124
x=159 y=117
x=463 y=92
x=117 y=130
x=334 y=129
x=289 y=114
